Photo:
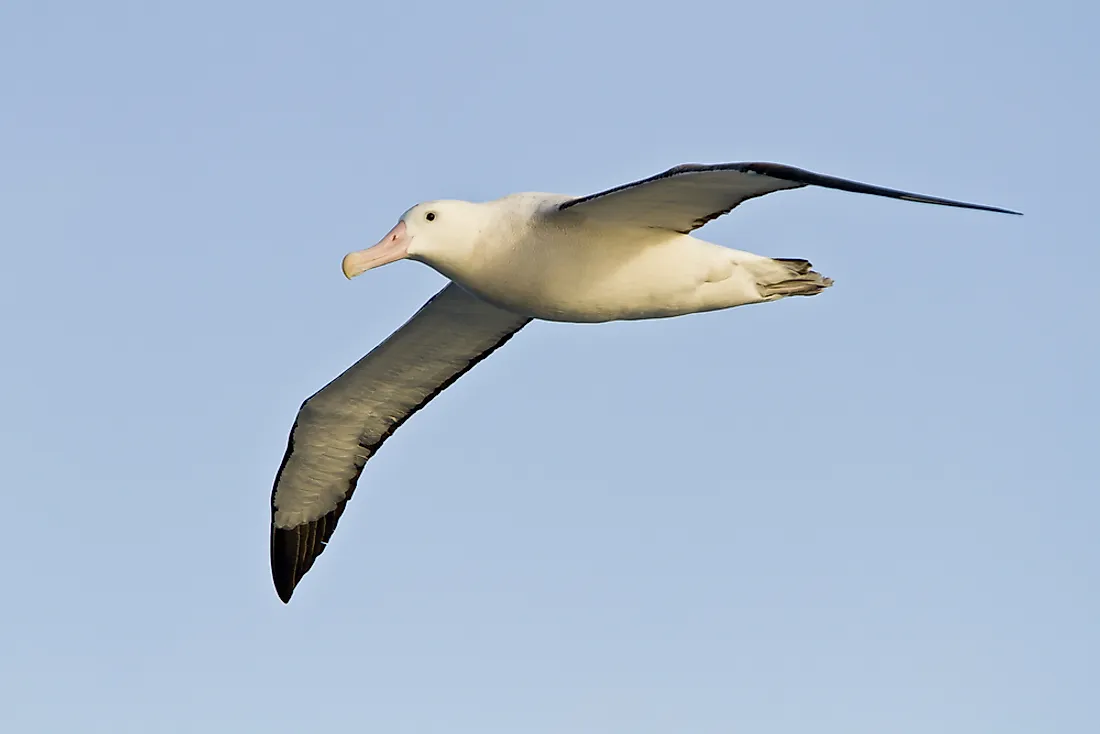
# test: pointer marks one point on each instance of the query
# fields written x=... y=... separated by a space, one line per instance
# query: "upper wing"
x=343 y=424
x=687 y=197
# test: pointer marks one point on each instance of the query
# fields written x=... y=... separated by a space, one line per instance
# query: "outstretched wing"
x=687 y=197
x=340 y=427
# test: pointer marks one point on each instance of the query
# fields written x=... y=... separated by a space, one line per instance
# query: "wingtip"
x=283 y=564
x=937 y=201
x=801 y=175
x=284 y=586
x=998 y=210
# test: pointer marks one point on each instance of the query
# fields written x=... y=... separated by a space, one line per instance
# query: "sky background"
x=873 y=511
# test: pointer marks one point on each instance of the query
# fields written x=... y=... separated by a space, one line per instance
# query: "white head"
x=442 y=234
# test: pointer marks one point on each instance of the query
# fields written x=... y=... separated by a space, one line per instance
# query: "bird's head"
x=441 y=234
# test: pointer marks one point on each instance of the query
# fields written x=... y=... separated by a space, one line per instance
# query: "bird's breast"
x=596 y=275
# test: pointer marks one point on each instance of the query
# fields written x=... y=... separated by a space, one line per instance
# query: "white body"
x=566 y=268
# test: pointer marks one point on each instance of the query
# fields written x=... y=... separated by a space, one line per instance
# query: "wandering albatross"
x=624 y=253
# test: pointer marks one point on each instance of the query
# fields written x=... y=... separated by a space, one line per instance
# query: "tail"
x=780 y=277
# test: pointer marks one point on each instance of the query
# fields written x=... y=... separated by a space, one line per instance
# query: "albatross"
x=622 y=254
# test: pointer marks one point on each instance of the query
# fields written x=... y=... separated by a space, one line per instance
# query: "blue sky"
x=869 y=511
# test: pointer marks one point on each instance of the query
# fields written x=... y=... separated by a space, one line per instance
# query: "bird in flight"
x=622 y=254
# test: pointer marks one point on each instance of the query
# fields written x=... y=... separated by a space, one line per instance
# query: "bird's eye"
x=430 y=216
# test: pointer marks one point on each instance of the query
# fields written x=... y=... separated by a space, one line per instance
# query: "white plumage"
x=626 y=253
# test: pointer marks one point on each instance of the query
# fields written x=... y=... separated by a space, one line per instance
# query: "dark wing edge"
x=800 y=175
x=783 y=172
x=294 y=550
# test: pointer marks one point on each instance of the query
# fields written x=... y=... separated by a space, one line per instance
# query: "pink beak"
x=394 y=246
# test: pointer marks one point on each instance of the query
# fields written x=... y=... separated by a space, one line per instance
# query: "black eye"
x=430 y=216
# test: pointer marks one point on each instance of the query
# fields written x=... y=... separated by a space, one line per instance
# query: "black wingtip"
x=284 y=562
x=802 y=176
x=294 y=550
x=958 y=204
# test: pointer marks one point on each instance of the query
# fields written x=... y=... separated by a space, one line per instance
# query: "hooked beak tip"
x=346 y=266
x=394 y=246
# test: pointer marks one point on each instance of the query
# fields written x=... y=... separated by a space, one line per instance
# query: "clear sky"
x=874 y=511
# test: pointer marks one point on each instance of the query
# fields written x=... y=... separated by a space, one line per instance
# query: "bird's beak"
x=394 y=246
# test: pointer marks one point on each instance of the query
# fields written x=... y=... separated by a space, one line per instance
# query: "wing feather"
x=340 y=427
x=686 y=197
